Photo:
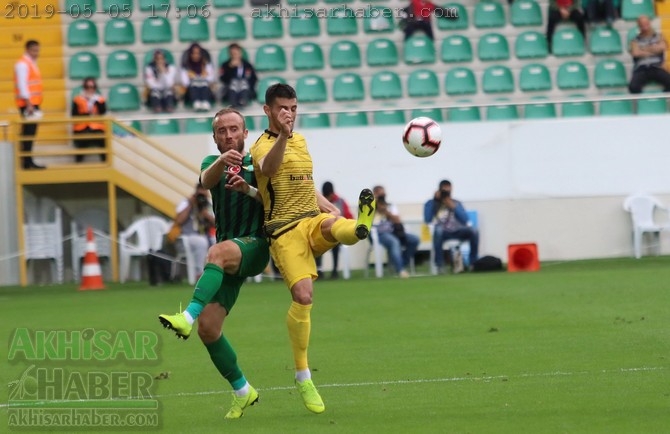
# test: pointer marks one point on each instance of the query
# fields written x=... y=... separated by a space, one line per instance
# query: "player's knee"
x=221 y=254
x=208 y=330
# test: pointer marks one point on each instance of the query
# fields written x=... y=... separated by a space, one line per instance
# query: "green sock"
x=225 y=360
x=208 y=284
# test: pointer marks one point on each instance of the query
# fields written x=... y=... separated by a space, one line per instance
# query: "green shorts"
x=255 y=257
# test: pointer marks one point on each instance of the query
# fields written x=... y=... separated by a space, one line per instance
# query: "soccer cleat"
x=241 y=402
x=177 y=323
x=366 y=213
x=310 y=396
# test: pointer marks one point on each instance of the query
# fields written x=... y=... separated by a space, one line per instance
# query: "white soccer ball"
x=422 y=137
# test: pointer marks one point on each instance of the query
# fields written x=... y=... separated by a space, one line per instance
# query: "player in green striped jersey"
x=241 y=251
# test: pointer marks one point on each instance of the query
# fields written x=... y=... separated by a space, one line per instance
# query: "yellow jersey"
x=289 y=196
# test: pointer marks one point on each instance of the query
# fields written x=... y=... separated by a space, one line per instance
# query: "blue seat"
x=493 y=46
x=534 y=77
x=460 y=81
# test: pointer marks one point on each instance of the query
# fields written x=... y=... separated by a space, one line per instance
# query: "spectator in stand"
x=238 y=77
x=160 y=78
x=28 y=95
x=561 y=10
x=648 y=51
x=419 y=17
x=328 y=192
x=601 y=10
x=89 y=103
x=198 y=77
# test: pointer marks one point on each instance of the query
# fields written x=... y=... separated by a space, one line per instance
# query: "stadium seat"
x=121 y=64
x=301 y=2
x=541 y=110
x=123 y=97
x=198 y=126
x=433 y=113
x=567 y=41
x=382 y=52
x=344 y=54
x=419 y=49
x=610 y=73
x=84 y=64
x=193 y=29
x=220 y=4
x=502 y=112
x=493 y=46
x=489 y=14
x=531 y=45
x=156 y=30
x=114 y=7
x=224 y=55
x=356 y=119
x=463 y=114
x=632 y=33
x=155 y=6
x=572 y=75
x=632 y=9
x=534 y=77
x=461 y=23
x=348 y=87
x=605 y=40
x=82 y=33
x=653 y=106
x=385 y=85
x=230 y=27
x=388 y=117
x=525 y=13
x=577 y=108
x=263 y=85
x=119 y=31
x=460 y=81
x=378 y=19
x=341 y=21
x=307 y=55
x=304 y=23
x=270 y=57
x=311 y=88
x=267 y=25
x=456 y=48
x=163 y=126
x=315 y=120
x=616 y=108
x=77 y=8
x=190 y=5
x=422 y=83
x=149 y=56
x=497 y=79
x=263 y=123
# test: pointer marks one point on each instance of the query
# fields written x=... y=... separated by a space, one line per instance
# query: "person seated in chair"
x=198 y=77
x=451 y=223
x=238 y=77
x=160 y=77
x=89 y=102
x=195 y=218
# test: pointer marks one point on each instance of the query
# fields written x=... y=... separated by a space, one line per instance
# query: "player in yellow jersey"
x=300 y=223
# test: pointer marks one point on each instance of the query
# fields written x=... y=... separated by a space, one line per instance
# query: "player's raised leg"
x=349 y=232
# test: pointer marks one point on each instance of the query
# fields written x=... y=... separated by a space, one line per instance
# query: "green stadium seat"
x=382 y=52
x=224 y=55
x=307 y=55
x=497 y=79
x=605 y=40
x=121 y=64
x=456 y=48
x=632 y=9
x=525 y=13
x=577 y=108
x=542 y=110
x=230 y=27
x=198 y=126
x=270 y=57
x=193 y=29
x=163 y=126
x=531 y=45
x=356 y=119
x=433 y=113
x=344 y=54
x=82 y=33
x=463 y=114
x=502 y=112
x=156 y=30
x=610 y=73
x=267 y=26
x=493 y=46
x=155 y=6
x=118 y=7
x=123 y=97
x=632 y=33
x=304 y=23
x=149 y=56
x=249 y=123
x=263 y=123
x=389 y=117
x=348 y=87
x=419 y=49
x=616 y=108
x=378 y=19
x=79 y=8
x=460 y=81
x=314 y=120
x=568 y=41
x=119 y=31
x=84 y=64
x=572 y=75
x=653 y=106
x=489 y=14
x=385 y=85
x=301 y=2
x=263 y=85
x=534 y=77
x=422 y=83
x=190 y=6
x=341 y=21
x=221 y=4
x=311 y=88
x=461 y=23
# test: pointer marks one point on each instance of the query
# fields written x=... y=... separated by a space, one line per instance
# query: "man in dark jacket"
x=238 y=78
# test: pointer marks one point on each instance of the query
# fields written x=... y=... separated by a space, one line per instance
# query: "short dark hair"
x=279 y=90
x=445 y=183
x=327 y=189
x=225 y=111
x=31 y=43
x=234 y=45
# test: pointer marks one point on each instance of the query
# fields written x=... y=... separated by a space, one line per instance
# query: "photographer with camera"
x=195 y=218
x=451 y=223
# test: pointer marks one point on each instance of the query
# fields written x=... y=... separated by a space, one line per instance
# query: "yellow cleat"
x=366 y=213
x=310 y=396
x=241 y=402
x=176 y=323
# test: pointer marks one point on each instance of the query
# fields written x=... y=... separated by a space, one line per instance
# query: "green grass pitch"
x=579 y=347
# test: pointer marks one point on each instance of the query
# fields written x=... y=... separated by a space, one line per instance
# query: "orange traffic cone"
x=523 y=257
x=91 y=275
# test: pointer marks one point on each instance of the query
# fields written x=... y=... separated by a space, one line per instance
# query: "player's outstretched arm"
x=212 y=175
x=271 y=162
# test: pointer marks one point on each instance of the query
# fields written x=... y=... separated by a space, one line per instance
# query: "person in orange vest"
x=28 y=96
x=89 y=103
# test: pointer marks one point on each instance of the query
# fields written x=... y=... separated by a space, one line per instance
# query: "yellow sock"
x=344 y=231
x=299 y=325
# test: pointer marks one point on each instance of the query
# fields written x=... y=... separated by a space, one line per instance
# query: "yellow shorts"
x=294 y=251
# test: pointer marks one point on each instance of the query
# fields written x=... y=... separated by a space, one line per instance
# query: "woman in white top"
x=197 y=75
x=160 y=77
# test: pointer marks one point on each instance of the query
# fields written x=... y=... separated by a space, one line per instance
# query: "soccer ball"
x=422 y=137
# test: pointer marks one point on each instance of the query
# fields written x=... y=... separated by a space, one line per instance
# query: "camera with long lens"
x=444 y=194
x=201 y=201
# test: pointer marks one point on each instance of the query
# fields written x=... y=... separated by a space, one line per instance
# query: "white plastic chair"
x=641 y=209
x=44 y=240
x=98 y=219
x=147 y=233
x=185 y=255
